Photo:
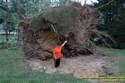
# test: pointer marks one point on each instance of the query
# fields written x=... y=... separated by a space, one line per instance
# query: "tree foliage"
x=113 y=15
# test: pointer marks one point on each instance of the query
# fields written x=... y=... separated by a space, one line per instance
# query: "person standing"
x=57 y=54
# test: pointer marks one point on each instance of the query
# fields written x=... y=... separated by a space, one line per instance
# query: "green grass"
x=118 y=67
x=113 y=52
x=13 y=69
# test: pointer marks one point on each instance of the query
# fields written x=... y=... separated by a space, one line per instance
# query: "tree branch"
x=3 y=8
x=18 y=10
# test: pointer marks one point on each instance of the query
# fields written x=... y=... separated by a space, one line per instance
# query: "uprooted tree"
x=73 y=22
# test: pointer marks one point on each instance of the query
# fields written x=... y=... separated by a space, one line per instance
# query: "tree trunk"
x=6 y=35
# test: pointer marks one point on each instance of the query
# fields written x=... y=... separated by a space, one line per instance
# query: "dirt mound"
x=77 y=66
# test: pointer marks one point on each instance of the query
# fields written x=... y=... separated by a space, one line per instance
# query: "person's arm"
x=63 y=44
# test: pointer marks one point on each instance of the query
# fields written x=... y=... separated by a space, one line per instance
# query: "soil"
x=92 y=65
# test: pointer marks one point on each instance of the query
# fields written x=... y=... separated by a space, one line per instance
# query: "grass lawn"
x=119 y=65
x=113 y=52
x=13 y=69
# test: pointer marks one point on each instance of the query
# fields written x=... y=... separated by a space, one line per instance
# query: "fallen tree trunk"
x=74 y=23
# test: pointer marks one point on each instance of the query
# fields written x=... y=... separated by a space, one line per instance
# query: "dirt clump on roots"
x=74 y=23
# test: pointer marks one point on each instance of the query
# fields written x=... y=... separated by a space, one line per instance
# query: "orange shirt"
x=57 y=52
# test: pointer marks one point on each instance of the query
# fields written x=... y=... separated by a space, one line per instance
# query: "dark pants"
x=57 y=62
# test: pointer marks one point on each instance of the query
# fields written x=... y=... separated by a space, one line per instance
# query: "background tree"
x=7 y=17
x=113 y=16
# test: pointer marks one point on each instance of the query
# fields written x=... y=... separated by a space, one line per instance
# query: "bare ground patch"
x=77 y=66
